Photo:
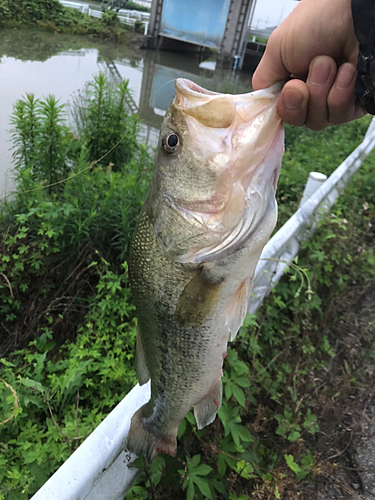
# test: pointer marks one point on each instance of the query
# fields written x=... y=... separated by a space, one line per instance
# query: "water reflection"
x=160 y=70
x=45 y=63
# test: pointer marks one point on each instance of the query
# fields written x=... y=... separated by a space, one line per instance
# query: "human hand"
x=317 y=47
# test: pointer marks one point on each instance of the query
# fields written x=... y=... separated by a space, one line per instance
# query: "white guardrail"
x=128 y=17
x=99 y=468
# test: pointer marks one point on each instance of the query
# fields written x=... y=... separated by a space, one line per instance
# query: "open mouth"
x=190 y=89
x=216 y=110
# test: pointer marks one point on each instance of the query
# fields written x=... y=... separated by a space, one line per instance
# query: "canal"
x=47 y=63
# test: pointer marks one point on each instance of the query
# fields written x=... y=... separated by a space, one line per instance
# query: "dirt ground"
x=347 y=441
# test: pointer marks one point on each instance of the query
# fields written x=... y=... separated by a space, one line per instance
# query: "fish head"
x=216 y=170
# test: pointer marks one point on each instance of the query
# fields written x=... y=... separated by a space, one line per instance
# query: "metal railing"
x=99 y=468
x=284 y=245
x=129 y=17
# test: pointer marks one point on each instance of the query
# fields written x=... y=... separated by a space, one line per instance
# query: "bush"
x=135 y=6
x=103 y=120
x=65 y=209
x=110 y=18
x=52 y=16
x=42 y=143
x=54 y=402
x=31 y=12
x=62 y=277
x=139 y=27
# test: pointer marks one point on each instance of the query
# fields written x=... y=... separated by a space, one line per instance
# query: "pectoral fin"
x=205 y=411
x=197 y=300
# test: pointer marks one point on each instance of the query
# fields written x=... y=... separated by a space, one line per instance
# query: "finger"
x=292 y=104
x=322 y=72
x=341 y=99
x=271 y=68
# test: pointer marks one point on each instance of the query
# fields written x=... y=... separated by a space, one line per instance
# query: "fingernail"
x=319 y=72
x=345 y=77
x=292 y=99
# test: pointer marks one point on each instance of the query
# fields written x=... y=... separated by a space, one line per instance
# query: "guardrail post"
x=314 y=181
x=370 y=129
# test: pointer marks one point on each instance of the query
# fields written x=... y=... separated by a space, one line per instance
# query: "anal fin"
x=205 y=411
x=143 y=374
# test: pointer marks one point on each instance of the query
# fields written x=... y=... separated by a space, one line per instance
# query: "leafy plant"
x=61 y=400
x=43 y=145
x=110 y=18
x=194 y=477
x=104 y=122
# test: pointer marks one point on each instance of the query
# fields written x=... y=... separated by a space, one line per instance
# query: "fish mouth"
x=211 y=109
x=240 y=127
x=221 y=111
x=190 y=89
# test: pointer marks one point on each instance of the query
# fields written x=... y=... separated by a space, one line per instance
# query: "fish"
x=210 y=210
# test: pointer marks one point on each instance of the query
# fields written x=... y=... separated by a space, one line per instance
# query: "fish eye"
x=171 y=142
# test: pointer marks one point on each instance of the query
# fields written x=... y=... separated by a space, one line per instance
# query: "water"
x=45 y=63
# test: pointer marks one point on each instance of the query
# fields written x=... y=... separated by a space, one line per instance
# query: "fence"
x=99 y=468
x=129 y=17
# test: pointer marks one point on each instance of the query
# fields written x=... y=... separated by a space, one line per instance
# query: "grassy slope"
x=52 y=16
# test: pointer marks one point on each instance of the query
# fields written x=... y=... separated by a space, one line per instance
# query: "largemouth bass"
x=209 y=212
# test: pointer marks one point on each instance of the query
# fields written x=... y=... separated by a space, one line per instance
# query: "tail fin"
x=142 y=441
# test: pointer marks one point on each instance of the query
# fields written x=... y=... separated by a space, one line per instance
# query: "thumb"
x=271 y=68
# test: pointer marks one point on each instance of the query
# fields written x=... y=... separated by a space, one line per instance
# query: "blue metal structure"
x=197 y=22
x=216 y=24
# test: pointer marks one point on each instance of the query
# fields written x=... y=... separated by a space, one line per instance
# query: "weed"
x=104 y=122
